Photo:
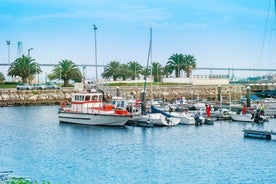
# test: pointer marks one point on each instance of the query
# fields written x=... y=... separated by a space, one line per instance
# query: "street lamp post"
x=8 y=44
x=29 y=50
x=95 y=29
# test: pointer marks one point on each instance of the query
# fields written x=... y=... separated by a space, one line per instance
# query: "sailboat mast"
x=143 y=107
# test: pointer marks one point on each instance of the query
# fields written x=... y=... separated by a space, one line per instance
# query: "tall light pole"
x=29 y=50
x=95 y=29
x=8 y=44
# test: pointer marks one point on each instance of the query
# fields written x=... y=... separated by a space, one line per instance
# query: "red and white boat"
x=89 y=109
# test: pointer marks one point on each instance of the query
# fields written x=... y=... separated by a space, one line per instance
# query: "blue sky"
x=218 y=33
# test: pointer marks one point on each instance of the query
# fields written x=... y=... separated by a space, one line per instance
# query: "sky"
x=218 y=33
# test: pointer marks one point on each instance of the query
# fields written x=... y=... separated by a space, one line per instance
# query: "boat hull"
x=155 y=119
x=243 y=118
x=185 y=119
x=93 y=119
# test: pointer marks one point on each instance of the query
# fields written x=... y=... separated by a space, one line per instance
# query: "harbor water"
x=36 y=146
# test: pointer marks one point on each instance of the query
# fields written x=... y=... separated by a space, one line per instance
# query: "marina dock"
x=260 y=134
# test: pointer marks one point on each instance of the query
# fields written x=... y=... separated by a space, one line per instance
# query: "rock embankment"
x=170 y=93
x=26 y=97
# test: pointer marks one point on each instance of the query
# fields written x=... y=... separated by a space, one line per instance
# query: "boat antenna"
x=143 y=103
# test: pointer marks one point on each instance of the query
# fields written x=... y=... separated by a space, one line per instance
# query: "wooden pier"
x=260 y=134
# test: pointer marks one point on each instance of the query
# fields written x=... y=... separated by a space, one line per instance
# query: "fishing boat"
x=89 y=109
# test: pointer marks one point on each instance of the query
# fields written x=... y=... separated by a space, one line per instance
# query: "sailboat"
x=151 y=119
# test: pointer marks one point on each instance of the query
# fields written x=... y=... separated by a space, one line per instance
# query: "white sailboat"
x=151 y=119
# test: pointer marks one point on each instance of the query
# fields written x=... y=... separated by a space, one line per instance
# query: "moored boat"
x=153 y=119
x=242 y=117
x=89 y=109
x=186 y=119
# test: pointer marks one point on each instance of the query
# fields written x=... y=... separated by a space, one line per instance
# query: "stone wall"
x=170 y=93
x=26 y=97
x=210 y=92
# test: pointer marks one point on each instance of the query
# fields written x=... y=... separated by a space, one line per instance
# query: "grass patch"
x=7 y=85
x=142 y=84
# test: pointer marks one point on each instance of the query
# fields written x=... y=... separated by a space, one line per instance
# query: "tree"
x=166 y=71
x=112 y=70
x=156 y=71
x=66 y=70
x=136 y=69
x=2 y=77
x=189 y=64
x=175 y=63
x=24 y=67
x=125 y=72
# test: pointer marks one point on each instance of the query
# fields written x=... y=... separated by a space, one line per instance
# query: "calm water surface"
x=35 y=145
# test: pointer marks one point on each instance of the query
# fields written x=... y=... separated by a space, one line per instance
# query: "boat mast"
x=143 y=98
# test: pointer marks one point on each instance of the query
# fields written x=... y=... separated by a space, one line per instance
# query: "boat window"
x=94 y=97
x=87 y=98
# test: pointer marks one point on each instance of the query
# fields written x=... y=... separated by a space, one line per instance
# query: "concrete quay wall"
x=170 y=93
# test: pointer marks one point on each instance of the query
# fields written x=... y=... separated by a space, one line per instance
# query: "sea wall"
x=170 y=93
x=30 y=97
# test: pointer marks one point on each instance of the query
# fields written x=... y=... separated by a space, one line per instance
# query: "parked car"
x=24 y=87
x=39 y=86
x=51 y=86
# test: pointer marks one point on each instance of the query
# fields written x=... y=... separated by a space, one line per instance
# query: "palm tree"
x=136 y=69
x=2 y=77
x=166 y=71
x=156 y=71
x=24 y=67
x=176 y=63
x=112 y=70
x=125 y=72
x=189 y=64
x=66 y=70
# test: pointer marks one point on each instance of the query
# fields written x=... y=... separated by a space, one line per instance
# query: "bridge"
x=198 y=68
x=79 y=65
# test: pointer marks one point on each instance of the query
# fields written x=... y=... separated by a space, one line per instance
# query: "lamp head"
x=95 y=28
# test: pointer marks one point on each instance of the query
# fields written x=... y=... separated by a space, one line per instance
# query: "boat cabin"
x=81 y=101
x=118 y=102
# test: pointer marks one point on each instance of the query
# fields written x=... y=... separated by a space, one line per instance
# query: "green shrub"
x=15 y=180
